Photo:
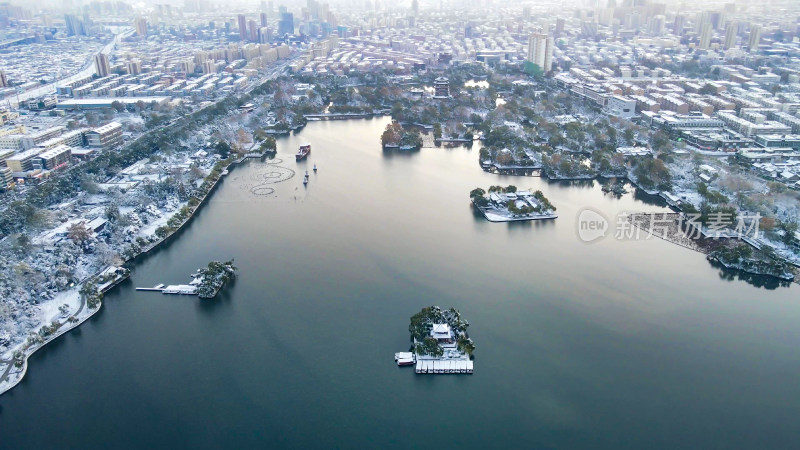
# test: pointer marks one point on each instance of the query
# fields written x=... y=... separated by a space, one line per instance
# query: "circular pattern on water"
x=272 y=173
x=262 y=190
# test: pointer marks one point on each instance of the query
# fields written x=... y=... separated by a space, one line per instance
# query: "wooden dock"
x=156 y=288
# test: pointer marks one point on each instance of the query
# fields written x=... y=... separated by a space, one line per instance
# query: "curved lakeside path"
x=4 y=377
x=61 y=331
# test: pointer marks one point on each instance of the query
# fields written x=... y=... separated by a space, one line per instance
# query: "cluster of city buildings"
x=147 y=88
x=167 y=53
x=41 y=49
x=739 y=88
x=55 y=67
x=730 y=114
x=31 y=154
x=25 y=67
x=621 y=56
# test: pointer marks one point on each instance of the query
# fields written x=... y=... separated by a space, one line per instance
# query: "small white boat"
x=405 y=358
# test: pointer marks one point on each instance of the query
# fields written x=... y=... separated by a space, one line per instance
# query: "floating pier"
x=180 y=289
x=175 y=289
x=434 y=366
x=444 y=366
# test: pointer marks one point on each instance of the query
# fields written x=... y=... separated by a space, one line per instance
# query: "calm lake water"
x=608 y=345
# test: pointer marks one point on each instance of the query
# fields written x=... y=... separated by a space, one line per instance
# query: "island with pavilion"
x=439 y=343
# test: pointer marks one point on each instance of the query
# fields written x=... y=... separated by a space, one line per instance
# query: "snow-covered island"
x=507 y=204
x=213 y=278
x=439 y=342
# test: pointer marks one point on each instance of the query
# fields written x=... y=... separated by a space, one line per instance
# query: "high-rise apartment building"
x=242 y=27
x=755 y=37
x=286 y=24
x=679 y=25
x=252 y=30
x=717 y=19
x=657 y=25
x=540 y=51
x=101 y=65
x=209 y=67
x=75 y=26
x=705 y=35
x=134 y=67
x=703 y=17
x=730 y=34
x=264 y=35
x=140 y=24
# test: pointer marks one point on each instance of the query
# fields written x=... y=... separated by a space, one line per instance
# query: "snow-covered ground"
x=160 y=217
x=42 y=269
x=781 y=248
x=49 y=313
x=52 y=309
x=111 y=219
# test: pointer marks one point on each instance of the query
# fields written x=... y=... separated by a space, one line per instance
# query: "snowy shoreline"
x=675 y=235
x=168 y=238
x=9 y=377
x=8 y=382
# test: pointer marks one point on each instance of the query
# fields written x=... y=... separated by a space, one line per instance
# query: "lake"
x=603 y=345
